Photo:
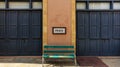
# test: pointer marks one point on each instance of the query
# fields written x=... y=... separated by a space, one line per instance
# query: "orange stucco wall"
x=59 y=15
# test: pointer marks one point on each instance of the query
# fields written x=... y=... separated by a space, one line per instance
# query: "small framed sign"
x=59 y=30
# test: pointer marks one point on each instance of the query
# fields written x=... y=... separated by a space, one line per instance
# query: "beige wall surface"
x=59 y=15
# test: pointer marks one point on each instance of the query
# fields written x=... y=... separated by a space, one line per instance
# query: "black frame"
x=30 y=4
x=86 y=1
x=97 y=1
x=59 y=33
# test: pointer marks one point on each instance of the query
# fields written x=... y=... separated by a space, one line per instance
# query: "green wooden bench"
x=58 y=51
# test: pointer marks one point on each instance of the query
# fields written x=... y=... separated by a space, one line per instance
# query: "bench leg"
x=43 y=61
x=75 y=61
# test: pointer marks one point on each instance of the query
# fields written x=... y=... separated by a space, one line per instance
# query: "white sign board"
x=59 y=30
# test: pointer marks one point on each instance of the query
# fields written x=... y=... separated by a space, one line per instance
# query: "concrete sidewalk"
x=111 y=61
x=35 y=61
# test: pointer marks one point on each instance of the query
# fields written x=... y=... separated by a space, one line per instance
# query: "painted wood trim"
x=45 y=17
x=74 y=24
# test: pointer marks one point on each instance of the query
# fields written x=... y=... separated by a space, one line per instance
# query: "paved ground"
x=36 y=62
x=111 y=61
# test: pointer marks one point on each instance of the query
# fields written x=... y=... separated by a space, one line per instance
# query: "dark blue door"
x=20 y=32
x=98 y=33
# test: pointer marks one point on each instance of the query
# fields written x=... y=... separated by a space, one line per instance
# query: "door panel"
x=98 y=33
x=20 y=33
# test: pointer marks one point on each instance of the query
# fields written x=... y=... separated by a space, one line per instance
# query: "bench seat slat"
x=58 y=51
x=49 y=46
x=58 y=56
